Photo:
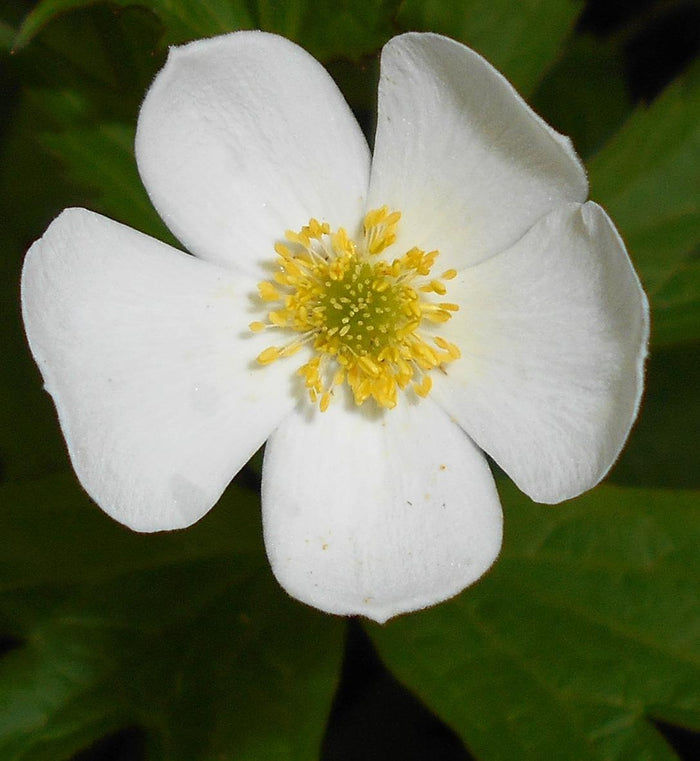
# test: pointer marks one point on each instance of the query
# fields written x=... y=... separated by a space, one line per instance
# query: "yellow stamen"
x=268 y=292
x=360 y=314
x=423 y=388
x=269 y=355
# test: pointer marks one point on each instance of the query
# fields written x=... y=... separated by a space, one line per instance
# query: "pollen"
x=364 y=316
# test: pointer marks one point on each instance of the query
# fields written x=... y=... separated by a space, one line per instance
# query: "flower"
x=381 y=321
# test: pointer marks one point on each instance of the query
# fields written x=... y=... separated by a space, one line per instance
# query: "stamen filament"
x=361 y=314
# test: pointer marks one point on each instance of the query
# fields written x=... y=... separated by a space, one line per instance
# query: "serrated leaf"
x=520 y=39
x=588 y=625
x=648 y=178
x=184 y=634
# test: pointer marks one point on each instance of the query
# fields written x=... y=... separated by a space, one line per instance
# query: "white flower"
x=376 y=500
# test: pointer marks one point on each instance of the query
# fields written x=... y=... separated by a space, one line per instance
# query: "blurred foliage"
x=588 y=626
x=585 y=629
x=326 y=28
x=648 y=178
x=183 y=634
x=522 y=41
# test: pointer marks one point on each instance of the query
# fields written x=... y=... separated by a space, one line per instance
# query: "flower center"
x=361 y=314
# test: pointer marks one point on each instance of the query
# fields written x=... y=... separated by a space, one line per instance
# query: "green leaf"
x=520 y=39
x=185 y=20
x=7 y=34
x=85 y=109
x=31 y=192
x=662 y=450
x=584 y=95
x=76 y=93
x=330 y=28
x=588 y=625
x=184 y=634
x=648 y=179
x=326 y=28
x=100 y=159
x=677 y=301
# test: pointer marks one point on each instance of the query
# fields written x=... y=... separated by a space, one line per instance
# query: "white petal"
x=553 y=334
x=244 y=136
x=377 y=514
x=461 y=155
x=147 y=355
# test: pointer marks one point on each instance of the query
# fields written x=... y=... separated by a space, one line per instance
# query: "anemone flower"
x=382 y=321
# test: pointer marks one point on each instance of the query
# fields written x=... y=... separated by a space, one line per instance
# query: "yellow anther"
x=380 y=229
x=268 y=355
x=452 y=350
x=268 y=292
x=282 y=250
x=359 y=313
x=423 y=388
x=437 y=315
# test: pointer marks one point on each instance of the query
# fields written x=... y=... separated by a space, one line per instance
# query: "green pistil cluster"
x=364 y=308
